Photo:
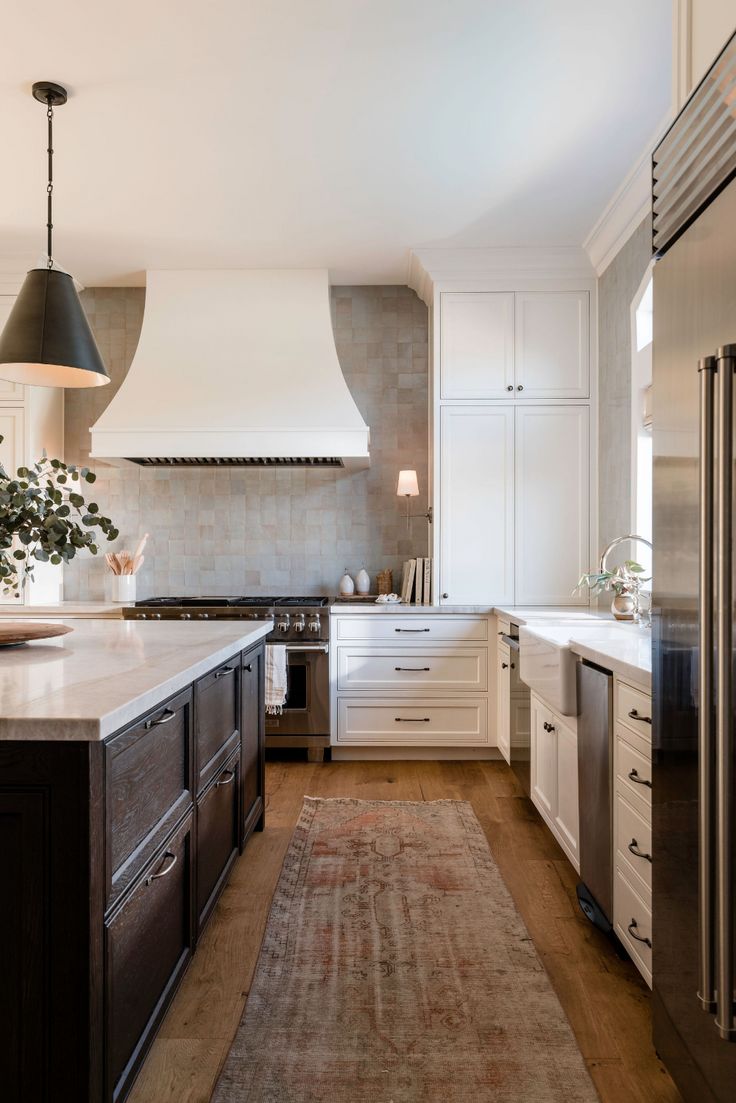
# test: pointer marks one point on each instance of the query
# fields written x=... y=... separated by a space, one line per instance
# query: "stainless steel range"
x=302 y=625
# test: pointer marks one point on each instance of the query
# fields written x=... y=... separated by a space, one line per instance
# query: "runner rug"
x=395 y=968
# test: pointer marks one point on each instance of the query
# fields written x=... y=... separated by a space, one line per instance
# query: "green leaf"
x=90 y=477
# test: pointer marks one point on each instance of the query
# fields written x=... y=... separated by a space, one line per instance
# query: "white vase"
x=347 y=586
x=123 y=588
x=362 y=581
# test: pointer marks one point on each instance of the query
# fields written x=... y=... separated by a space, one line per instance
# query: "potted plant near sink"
x=624 y=582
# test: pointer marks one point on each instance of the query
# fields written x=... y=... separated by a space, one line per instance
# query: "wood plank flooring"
x=603 y=996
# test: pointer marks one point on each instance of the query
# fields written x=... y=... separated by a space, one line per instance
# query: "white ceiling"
x=327 y=133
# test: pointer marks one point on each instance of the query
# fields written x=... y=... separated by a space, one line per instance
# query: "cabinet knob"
x=510 y=387
x=445 y=595
x=520 y=387
x=249 y=667
x=504 y=666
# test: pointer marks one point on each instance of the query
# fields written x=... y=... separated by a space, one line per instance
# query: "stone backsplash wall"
x=263 y=531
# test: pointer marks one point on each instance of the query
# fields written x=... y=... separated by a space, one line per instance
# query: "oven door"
x=307 y=707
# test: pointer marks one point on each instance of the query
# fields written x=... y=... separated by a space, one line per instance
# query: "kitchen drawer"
x=411 y=628
x=418 y=670
x=633 y=841
x=253 y=741
x=148 y=777
x=633 y=709
x=147 y=946
x=633 y=769
x=461 y=722
x=216 y=720
x=632 y=921
x=217 y=836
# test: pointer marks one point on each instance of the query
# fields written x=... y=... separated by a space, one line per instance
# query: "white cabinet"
x=554 y=776
x=552 y=534
x=552 y=345
x=515 y=504
x=503 y=701
x=477 y=356
x=477 y=492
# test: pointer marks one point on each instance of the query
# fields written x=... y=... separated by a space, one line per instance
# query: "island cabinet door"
x=253 y=741
x=216 y=718
x=148 y=943
x=217 y=836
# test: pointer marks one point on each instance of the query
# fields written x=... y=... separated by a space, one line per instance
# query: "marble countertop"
x=343 y=607
x=630 y=656
x=105 y=673
x=65 y=609
x=552 y=615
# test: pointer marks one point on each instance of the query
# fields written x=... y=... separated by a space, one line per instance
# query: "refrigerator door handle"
x=724 y=772
x=706 y=720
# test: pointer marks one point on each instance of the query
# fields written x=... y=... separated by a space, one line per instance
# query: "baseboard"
x=394 y=754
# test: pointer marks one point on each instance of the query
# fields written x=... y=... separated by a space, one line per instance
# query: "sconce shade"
x=408 y=485
x=47 y=341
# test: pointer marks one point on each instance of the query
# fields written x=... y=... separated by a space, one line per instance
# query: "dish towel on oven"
x=275 y=679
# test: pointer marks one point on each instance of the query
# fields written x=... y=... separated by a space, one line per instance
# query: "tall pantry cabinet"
x=513 y=432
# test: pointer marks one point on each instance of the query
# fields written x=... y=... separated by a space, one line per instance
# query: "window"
x=642 y=334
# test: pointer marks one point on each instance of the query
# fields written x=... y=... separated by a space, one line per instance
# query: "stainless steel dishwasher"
x=595 y=784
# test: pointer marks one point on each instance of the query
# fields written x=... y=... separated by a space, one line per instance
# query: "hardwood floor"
x=602 y=994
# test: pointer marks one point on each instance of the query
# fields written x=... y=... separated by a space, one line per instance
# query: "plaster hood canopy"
x=234 y=367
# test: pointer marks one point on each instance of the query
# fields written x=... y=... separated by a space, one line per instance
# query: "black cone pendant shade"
x=47 y=340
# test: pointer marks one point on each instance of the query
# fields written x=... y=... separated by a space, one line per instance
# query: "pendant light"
x=47 y=340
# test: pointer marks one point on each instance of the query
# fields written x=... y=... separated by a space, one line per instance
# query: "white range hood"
x=234 y=367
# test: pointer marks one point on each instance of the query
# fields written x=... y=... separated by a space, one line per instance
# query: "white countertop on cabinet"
x=342 y=608
x=630 y=657
x=93 y=610
x=552 y=615
x=105 y=673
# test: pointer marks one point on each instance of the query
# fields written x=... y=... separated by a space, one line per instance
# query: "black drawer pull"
x=634 y=776
x=163 y=872
x=548 y=727
x=249 y=667
x=634 y=848
x=504 y=666
x=166 y=715
x=412 y=629
x=632 y=929
x=411 y=719
x=414 y=668
x=225 y=671
x=225 y=781
x=635 y=716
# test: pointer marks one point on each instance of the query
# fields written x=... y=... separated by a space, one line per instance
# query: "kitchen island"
x=131 y=775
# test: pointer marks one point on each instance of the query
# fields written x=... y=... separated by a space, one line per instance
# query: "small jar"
x=123 y=588
x=362 y=581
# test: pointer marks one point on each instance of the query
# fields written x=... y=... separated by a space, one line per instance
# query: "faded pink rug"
x=396 y=969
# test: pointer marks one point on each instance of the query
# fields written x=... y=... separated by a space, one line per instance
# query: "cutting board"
x=17 y=631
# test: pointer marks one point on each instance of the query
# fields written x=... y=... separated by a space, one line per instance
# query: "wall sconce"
x=408 y=487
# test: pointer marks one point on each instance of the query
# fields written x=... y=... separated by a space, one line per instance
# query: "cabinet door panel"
x=253 y=741
x=216 y=699
x=503 y=712
x=567 y=791
x=544 y=761
x=477 y=498
x=552 y=503
x=217 y=836
x=477 y=345
x=552 y=344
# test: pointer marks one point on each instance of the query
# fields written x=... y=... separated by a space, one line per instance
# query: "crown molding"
x=433 y=265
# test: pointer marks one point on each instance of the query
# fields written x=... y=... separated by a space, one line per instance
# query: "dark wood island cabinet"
x=112 y=856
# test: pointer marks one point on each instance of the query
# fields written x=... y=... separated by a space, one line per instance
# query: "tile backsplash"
x=268 y=531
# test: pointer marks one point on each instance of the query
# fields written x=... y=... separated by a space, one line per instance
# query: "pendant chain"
x=50 y=184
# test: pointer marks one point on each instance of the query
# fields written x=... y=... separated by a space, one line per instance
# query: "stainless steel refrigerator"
x=693 y=812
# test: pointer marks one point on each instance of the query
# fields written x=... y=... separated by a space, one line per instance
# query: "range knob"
x=185 y=616
x=155 y=616
x=143 y=616
x=203 y=616
x=299 y=622
x=283 y=623
x=314 y=625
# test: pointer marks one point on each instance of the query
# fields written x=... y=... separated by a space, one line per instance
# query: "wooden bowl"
x=15 y=632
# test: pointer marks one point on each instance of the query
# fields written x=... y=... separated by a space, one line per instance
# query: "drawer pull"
x=548 y=727
x=634 y=776
x=163 y=872
x=412 y=629
x=632 y=929
x=411 y=719
x=225 y=671
x=414 y=668
x=166 y=715
x=634 y=715
x=504 y=666
x=634 y=848
x=225 y=781
x=249 y=667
